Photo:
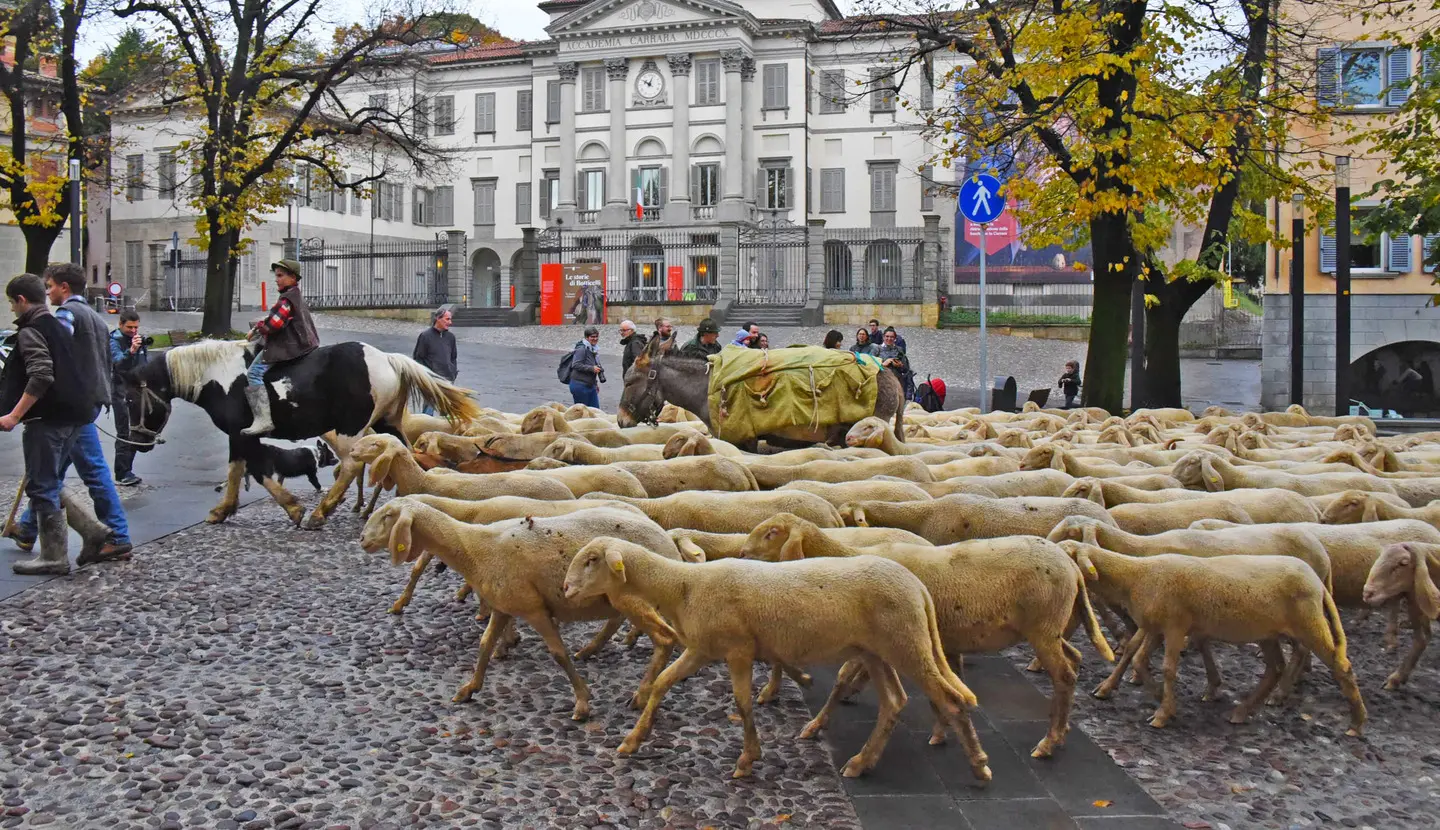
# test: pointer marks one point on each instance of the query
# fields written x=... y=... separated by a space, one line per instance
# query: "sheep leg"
x=370 y=506
x=1299 y=664
x=1213 y=680
x=611 y=626
x=406 y=595
x=1315 y=634
x=509 y=637
x=359 y=490
x=1062 y=695
x=741 y=670
x=498 y=621
x=1392 y=626
x=689 y=662
x=772 y=685
x=632 y=638
x=1421 y=626
x=891 y=695
x=1107 y=686
x=659 y=656
x=1274 y=666
x=802 y=679
x=851 y=677
x=1174 y=647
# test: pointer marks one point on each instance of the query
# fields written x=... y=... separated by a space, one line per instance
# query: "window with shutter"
x=355 y=197
x=927 y=83
x=592 y=89
x=524 y=114
x=882 y=91
x=444 y=115
x=418 y=208
x=882 y=187
x=165 y=175
x=545 y=195
x=927 y=188
x=1400 y=254
x=522 y=203
x=705 y=185
x=443 y=209
x=707 y=82
x=1327 y=249
x=135 y=177
x=484 y=201
x=832 y=190
x=1431 y=251
x=775 y=77
x=552 y=102
x=1397 y=78
x=1362 y=76
x=832 y=91
x=485 y=112
x=422 y=115
x=135 y=263
x=774 y=186
x=593 y=187
x=1327 y=76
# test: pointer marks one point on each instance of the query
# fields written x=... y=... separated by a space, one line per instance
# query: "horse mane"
x=190 y=365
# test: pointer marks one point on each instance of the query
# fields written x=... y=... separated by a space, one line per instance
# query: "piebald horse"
x=336 y=393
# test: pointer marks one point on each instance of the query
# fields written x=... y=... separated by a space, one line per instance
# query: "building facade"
x=714 y=155
x=1363 y=80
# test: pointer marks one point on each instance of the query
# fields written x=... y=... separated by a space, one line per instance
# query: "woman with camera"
x=128 y=351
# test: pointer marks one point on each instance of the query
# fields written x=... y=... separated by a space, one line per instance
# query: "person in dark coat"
x=634 y=343
x=586 y=374
x=435 y=349
x=289 y=334
x=128 y=352
x=1070 y=382
x=705 y=343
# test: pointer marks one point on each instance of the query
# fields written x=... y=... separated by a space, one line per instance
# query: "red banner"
x=675 y=283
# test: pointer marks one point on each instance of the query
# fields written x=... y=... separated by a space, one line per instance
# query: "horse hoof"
x=311 y=523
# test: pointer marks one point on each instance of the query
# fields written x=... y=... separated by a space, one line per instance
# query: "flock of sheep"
x=975 y=533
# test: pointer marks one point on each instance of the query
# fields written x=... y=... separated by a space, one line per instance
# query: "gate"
x=772 y=258
x=406 y=274
x=185 y=282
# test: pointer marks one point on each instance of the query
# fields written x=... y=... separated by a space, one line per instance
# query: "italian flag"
x=639 y=204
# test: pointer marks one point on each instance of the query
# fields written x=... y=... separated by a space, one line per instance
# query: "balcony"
x=587 y=217
x=652 y=214
x=702 y=212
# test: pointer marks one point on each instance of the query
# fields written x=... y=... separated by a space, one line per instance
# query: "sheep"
x=1106 y=493
x=1407 y=569
x=1008 y=485
x=672 y=414
x=1056 y=458
x=872 y=490
x=695 y=543
x=986 y=466
x=1203 y=471
x=693 y=443
x=740 y=611
x=545 y=419
x=878 y=434
x=412 y=426
x=390 y=460
x=1235 y=599
x=725 y=512
x=576 y=412
x=1354 y=506
x=770 y=476
x=959 y=518
x=1149 y=519
x=989 y=595
x=574 y=451
x=1323 y=501
x=1260 y=506
x=583 y=480
x=517 y=568
x=701 y=472
x=660 y=433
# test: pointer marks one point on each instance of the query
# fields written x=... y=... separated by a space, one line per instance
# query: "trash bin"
x=1002 y=397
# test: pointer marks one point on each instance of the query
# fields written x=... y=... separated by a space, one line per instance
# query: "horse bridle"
x=653 y=398
x=147 y=396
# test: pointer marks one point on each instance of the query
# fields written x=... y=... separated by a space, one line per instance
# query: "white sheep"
x=727 y=512
x=390 y=461
x=959 y=518
x=1408 y=570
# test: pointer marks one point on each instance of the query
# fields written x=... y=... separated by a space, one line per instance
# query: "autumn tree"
x=255 y=99
x=1143 y=113
x=42 y=97
x=135 y=60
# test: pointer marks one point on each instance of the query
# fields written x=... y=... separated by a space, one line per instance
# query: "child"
x=1070 y=382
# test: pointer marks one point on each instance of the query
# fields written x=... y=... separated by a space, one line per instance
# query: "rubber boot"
x=95 y=534
x=259 y=399
x=54 y=541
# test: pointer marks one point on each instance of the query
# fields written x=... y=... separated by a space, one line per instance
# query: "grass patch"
x=1250 y=304
x=971 y=317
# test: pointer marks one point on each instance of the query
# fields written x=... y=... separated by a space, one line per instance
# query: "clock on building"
x=649 y=84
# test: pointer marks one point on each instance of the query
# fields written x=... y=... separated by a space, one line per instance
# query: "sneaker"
x=128 y=481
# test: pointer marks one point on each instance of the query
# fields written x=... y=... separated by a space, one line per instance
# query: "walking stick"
x=15 y=506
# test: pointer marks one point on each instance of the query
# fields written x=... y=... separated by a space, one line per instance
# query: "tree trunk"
x=1162 y=354
x=38 y=242
x=1104 y=384
x=219 y=282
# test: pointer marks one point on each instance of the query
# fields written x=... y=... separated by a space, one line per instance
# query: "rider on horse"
x=289 y=334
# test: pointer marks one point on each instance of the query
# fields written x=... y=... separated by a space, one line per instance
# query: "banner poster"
x=572 y=293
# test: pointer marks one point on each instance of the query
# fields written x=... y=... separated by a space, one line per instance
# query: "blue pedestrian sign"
x=980 y=199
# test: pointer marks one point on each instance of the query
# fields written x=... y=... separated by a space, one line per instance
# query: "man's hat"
x=707 y=326
x=288 y=265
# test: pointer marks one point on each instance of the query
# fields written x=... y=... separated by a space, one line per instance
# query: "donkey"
x=337 y=393
x=658 y=377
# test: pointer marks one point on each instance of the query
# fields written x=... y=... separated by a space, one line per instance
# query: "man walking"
x=435 y=348
x=634 y=343
x=128 y=352
x=706 y=341
x=43 y=386
x=289 y=334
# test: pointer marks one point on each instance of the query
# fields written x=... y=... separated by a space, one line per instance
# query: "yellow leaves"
x=1151 y=301
x=1101 y=803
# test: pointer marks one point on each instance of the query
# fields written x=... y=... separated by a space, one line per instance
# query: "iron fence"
x=874 y=264
x=773 y=256
x=641 y=264
x=409 y=274
x=185 y=281
x=1026 y=302
x=1210 y=325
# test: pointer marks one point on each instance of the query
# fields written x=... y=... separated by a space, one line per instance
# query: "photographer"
x=586 y=375
x=128 y=351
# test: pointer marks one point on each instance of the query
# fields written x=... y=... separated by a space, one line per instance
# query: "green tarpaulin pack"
x=755 y=392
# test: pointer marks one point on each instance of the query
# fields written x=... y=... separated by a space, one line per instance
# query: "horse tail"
x=419 y=384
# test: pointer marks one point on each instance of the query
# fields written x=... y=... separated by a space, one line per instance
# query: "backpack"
x=563 y=370
x=931 y=394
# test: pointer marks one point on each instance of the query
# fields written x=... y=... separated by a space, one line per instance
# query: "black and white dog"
x=282 y=463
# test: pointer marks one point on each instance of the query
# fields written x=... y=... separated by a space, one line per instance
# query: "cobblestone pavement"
x=1290 y=766
x=248 y=675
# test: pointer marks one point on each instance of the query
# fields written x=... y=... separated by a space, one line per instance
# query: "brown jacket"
x=288 y=328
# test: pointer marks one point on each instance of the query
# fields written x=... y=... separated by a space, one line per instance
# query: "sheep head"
x=1075 y=529
x=686 y=443
x=390 y=528
x=428 y=443
x=380 y=452
x=1216 y=412
x=576 y=412
x=543 y=463
x=1351 y=507
x=780 y=538
x=1198 y=470
x=1115 y=434
x=916 y=431
x=689 y=551
x=1080 y=553
x=867 y=432
x=1086 y=488
x=1043 y=456
x=853 y=515
x=596 y=567
x=1405 y=569
x=561 y=449
x=544 y=419
x=1079 y=417
x=1015 y=438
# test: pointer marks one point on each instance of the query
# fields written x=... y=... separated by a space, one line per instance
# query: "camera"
x=147 y=341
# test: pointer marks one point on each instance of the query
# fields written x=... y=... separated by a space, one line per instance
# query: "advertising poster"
x=573 y=293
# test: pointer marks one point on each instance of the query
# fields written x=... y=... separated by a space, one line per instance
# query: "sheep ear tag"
x=616 y=563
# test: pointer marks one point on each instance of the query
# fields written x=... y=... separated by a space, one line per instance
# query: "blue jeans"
x=256 y=373
x=46 y=445
x=586 y=393
x=88 y=456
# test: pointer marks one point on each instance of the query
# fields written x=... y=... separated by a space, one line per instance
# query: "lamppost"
x=75 y=233
x=1297 y=298
x=1342 y=285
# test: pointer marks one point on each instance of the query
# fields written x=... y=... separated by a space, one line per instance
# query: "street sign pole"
x=984 y=345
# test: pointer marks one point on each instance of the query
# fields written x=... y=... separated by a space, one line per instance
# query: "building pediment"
x=628 y=15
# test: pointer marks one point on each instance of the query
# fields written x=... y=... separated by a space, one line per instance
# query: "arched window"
x=883 y=265
x=647 y=268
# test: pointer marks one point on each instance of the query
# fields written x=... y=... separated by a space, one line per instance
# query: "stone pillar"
x=617 y=188
x=157 y=275
x=568 y=71
x=748 y=101
x=457 y=270
x=729 y=272
x=527 y=282
x=679 y=207
x=291 y=246
x=732 y=207
x=930 y=272
x=814 y=312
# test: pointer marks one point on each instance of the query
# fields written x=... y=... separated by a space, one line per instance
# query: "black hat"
x=707 y=326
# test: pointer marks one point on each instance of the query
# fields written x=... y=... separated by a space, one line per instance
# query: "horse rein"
x=147 y=395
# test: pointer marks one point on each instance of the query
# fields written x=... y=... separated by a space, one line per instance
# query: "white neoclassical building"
x=756 y=157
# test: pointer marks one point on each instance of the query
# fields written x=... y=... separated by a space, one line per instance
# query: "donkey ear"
x=401 y=538
x=1427 y=596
